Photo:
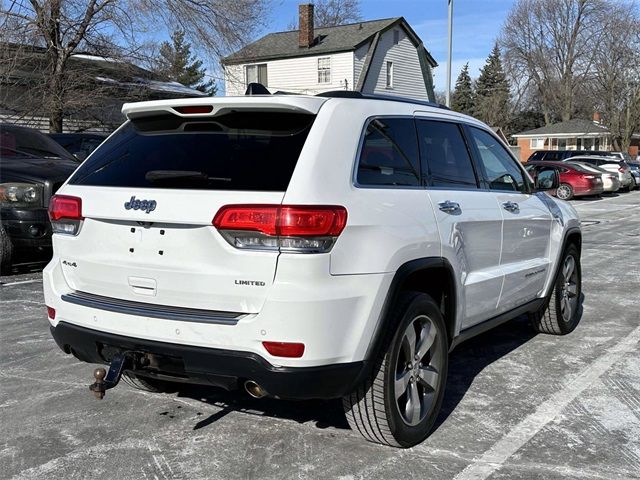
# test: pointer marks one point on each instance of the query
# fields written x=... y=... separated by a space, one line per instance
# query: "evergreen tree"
x=493 y=97
x=176 y=63
x=462 y=99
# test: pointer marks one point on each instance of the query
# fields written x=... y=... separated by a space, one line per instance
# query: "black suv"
x=32 y=168
x=560 y=155
x=79 y=144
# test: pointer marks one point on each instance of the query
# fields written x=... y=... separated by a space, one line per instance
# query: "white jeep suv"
x=333 y=246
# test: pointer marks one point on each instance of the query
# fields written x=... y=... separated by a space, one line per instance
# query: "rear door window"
x=389 y=154
x=255 y=151
x=444 y=155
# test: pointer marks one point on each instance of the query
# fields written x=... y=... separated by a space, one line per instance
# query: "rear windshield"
x=254 y=151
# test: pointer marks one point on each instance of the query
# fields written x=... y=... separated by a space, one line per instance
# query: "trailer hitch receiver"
x=106 y=380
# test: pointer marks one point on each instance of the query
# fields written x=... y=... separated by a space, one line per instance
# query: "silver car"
x=610 y=181
x=611 y=165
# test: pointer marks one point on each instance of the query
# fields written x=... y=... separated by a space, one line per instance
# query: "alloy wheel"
x=569 y=289
x=417 y=370
x=563 y=192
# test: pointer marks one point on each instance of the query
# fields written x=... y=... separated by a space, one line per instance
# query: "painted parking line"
x=524 y=431
x=22 y=282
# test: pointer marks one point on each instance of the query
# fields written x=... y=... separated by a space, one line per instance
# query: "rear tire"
x=6 y=252
x=399 y=403
x=564 y=191
x=561 y=314
x=149 y=384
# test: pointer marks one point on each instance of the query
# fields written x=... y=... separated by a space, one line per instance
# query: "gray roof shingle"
x=576 y=125
x=328 y=40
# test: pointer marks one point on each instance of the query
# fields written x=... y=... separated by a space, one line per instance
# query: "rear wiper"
x=162 y=175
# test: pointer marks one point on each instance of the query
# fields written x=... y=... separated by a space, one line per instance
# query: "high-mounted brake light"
x=296 y=228
x=194 y=109
x=284 y=349
x=65 y=213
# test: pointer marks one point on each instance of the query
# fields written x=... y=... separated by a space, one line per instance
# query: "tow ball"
x=106 y=380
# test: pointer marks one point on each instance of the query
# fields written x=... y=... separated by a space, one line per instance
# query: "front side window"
x=444 y=155
x=256 y=74
x=499 y=167
x=389 y=154
x=324 y=70
x=389 y=74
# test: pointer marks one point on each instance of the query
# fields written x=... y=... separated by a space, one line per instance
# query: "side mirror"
x=547 y=178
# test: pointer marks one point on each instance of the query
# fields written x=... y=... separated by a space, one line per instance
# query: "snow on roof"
x=94 y=58
x=158 y=86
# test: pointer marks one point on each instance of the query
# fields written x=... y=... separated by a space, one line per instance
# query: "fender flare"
x=402 y=273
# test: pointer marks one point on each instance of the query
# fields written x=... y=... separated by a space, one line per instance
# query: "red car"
x=575 y=181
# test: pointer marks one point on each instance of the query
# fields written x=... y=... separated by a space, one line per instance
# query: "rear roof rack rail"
x=255 y=88
x=375 y=96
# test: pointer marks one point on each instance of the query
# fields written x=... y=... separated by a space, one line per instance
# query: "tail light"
x=589 y=176
x=65 y=213
x=300 y=229
x=51 y=312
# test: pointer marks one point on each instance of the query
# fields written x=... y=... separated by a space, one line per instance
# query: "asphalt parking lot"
x=517 y=405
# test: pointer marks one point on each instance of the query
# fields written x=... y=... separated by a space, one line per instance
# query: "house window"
x=396 y=37
x=389 y=74
x=256 y=74
x=537 y=143
x=324 y=70
x=562 y=144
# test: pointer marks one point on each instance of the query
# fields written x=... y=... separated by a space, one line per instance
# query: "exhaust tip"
x=255 y=390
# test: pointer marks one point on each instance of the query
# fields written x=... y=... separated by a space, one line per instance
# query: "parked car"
x=79 y=144
x=560 y=155
x=610 y=181
x=288 y=245
x=613 y=165
x=32 y=168
x=634 y=167
x=575 y=181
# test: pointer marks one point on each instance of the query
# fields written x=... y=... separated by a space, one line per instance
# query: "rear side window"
x=389 y=154
x=445 y=156
x=255 y=151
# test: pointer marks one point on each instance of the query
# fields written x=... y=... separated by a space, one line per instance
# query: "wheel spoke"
x=569 y=266
x=427 y=337
x=412 y=409
x=409 y=342
x=401 y=383
x=566 y=309
x=428 y=376
x=572 y=289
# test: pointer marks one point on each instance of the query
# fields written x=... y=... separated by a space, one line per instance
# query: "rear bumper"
x=224 y=368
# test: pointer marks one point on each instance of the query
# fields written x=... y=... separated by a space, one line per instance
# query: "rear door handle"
x=449 y=207
x=511 y=206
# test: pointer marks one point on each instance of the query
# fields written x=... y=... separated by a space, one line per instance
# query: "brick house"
x=575 y=134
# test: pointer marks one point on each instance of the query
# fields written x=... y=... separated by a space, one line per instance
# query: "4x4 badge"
x=146 y=205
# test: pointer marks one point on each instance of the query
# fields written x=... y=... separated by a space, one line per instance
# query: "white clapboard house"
x=377 y=56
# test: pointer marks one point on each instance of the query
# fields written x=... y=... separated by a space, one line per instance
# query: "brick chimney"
x=305 y=25
x=596 y=118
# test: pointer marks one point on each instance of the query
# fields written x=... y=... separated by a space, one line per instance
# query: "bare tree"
x=553 y=43
x=615 y=83
x=329 y=13
x=115 y=29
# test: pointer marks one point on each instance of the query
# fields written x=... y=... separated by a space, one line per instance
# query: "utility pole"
x=450 y=38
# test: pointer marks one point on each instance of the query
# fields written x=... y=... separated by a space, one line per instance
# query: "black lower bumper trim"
x=224 y=368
